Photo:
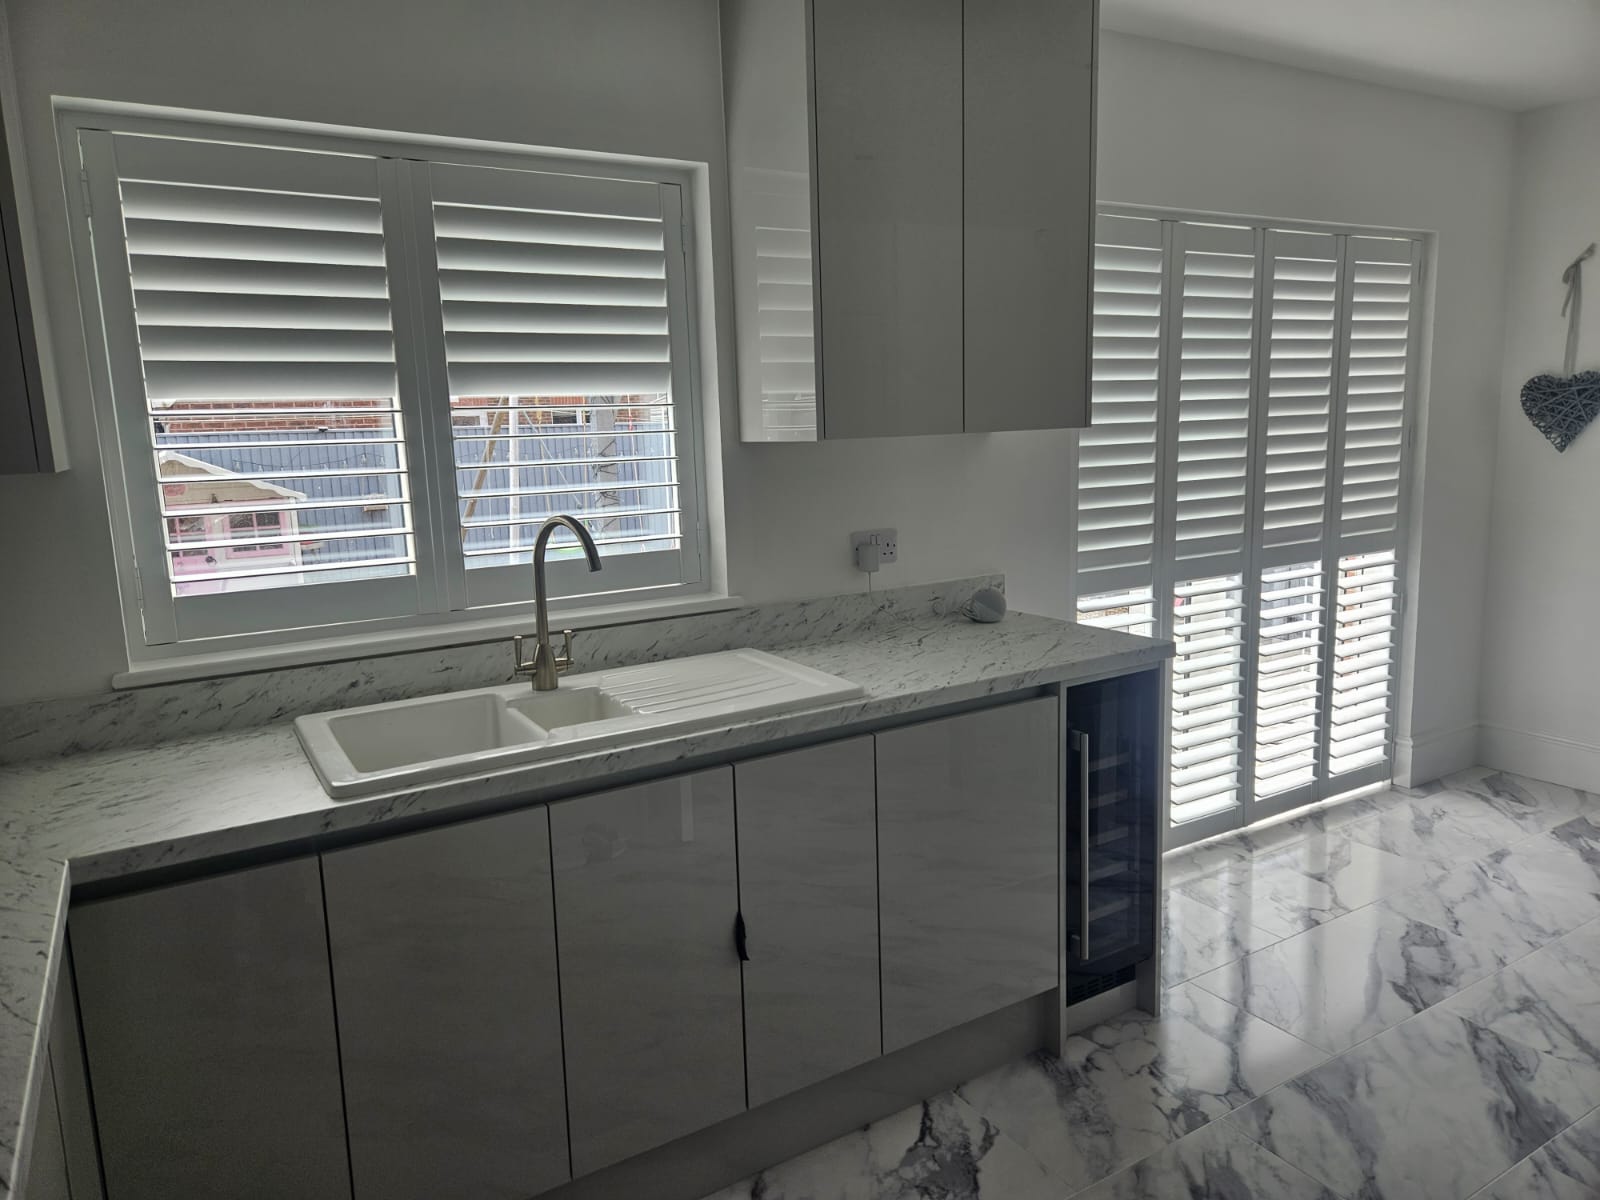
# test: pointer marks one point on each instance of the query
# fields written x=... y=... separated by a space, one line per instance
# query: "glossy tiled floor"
x=1396 y=997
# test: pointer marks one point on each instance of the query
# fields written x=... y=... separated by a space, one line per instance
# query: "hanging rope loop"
x=1572 y=306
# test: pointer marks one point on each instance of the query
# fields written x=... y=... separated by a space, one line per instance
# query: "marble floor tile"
x=1217 y=1163
x=1550 y=1001
x=1196 y=938
x=1433 y=1109
x=1560 y=867
x=1532 y=804
x=1206 y=858
x=1128 y=1088
x=939 y=1150
x=1353 y=977
x=1446 y=827
x=1564 y=1168
x=1301 y=886
x=1489 y=903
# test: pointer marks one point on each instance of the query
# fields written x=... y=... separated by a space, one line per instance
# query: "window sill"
x=373 y=645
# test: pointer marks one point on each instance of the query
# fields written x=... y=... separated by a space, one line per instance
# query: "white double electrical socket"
x=872 y=548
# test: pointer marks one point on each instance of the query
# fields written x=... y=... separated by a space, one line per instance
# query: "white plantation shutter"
x=558 y=351
x=1366 y=597
x=1288 y=677
x=1207 y=696
x=1241 y=492
x=1383 y=276
x=1216 y=361
x=260 y=357
x=1383 y=279
x=344 y=388
x=1117 y=456
x=1130 y=611
x=1302 y=273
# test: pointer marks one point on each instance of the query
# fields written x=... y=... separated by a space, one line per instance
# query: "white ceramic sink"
x=358 y=751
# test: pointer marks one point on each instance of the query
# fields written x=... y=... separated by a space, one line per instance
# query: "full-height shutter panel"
x=1381 y=290
x=1118 y=453
x=1216 y=365
x=261 y=298
x=554 y=290
x=1298 y=437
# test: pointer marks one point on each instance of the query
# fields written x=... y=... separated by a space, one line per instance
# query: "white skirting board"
x=1540 y=756
x=1431 y=755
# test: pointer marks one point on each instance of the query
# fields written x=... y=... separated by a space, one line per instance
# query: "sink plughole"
x=382 y=747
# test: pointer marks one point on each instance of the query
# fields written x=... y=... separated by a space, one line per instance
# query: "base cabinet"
x=444 y=964
x=496 y=1007
x=646 y=889
x=47 y=1156
x=968 y=811
x=208 y=1026
x=808 y=896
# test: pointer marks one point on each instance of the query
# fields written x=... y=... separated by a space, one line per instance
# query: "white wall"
x=1191 y=129
x=1541 y=648
x=1178 y=127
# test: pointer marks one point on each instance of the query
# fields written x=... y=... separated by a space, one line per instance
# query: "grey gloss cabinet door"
x=1029 y=112
x=209 y=1032
x=646 y=887
x=968 y=826
x=886 y=86
x=444 y=965
x=47 y=1156
x=808 y=892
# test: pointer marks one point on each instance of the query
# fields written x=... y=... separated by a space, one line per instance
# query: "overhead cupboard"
x=25 y=442
x=912 y=190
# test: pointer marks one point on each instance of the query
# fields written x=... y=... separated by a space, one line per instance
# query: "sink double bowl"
x=359 y=751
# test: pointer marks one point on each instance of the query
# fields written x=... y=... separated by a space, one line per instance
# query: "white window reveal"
x=1241 y=490
x=348 y=386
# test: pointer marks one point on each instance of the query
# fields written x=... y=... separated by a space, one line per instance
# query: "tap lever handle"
x=521 y=665
x=565 y=661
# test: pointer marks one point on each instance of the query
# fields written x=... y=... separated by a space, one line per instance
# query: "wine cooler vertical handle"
x=1081 y=743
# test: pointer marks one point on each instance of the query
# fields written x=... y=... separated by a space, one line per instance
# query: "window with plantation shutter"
x=1242 y=492
x=347 y=386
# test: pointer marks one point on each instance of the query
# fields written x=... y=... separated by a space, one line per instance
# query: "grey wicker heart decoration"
x=1561 y=408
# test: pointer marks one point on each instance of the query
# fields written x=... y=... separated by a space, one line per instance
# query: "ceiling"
x=1512 y=54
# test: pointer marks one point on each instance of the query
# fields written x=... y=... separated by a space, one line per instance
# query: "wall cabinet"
x=646 y=891
x=444 y=965
x=25 y=442
x=968 y=818
x=912 y=193
x=808 y=897
x=208 y=1025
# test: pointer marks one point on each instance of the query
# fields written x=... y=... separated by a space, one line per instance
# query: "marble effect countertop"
x=100 y=816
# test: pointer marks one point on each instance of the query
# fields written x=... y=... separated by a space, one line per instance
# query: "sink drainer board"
x=359 y=751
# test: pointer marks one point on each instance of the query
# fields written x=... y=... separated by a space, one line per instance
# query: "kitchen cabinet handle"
x=1081 y=743
x=739 y=943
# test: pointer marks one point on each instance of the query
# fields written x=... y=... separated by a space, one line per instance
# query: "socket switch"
x=872 y=548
